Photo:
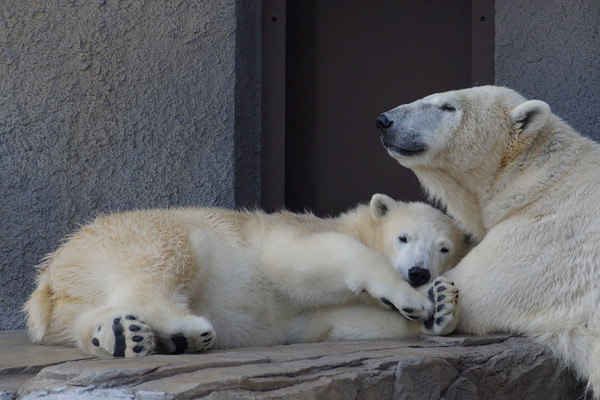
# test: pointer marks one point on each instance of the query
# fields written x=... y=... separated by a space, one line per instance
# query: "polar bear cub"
x=526 y=186
x=186 y=280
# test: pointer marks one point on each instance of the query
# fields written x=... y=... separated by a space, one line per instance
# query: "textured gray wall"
x=550 y=50
x=110 y=105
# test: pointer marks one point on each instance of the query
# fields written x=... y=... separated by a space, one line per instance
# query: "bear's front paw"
x=123 y=335
x=418 y=314
x=445 y=297
x=400 y=297
x=412 y=310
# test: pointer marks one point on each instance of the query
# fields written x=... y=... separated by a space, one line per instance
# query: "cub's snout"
x=418 y=276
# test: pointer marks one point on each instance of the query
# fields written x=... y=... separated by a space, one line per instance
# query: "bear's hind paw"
x=123 y=335
x=193 y=334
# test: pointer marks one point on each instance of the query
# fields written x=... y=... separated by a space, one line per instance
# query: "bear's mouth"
x=404 y=151
x=404 y=147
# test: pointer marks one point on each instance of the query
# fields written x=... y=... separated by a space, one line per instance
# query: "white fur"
x=526 y=186
x=223 y=279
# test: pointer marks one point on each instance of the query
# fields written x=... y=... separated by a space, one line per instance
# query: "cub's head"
x=461 y=130
x=420 y=241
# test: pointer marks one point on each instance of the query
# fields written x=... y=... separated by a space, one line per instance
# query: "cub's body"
x=193 y=279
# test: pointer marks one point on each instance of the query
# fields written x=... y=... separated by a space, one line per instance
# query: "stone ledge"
x=454 y=367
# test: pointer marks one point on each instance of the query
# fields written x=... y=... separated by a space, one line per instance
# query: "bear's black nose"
x=382 y=122
x=418 y=276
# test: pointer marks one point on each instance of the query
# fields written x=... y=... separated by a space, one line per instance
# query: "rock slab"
x=455 y=367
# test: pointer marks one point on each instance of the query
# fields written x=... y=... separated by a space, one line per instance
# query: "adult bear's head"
x=458 y=143
x=469 y=128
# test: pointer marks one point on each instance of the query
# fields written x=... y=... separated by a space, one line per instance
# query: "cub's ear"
x=381 y=205
x=530 y=117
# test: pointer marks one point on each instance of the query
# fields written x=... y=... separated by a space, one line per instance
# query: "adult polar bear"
x=527 y=187
x=182 y=275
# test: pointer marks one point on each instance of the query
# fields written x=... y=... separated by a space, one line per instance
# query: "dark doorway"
x=346 y=61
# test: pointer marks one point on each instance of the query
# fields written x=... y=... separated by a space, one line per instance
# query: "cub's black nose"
x=418 y=276
x=382 y=122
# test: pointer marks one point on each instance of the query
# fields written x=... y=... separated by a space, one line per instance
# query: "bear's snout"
x=382 y=122
x=418 y=276
x=398 y=140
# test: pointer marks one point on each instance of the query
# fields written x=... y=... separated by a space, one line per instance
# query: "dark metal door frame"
x=273 y=104
x=274 y=88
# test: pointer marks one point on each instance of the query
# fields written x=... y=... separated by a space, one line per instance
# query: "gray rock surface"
x=460 y=368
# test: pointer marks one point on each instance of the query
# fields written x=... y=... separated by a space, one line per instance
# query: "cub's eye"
x=447 y=107
x=403 y=239
x=444 y=250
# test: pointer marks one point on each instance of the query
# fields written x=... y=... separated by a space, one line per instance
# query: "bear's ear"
x=530 y=117
x=381 y=205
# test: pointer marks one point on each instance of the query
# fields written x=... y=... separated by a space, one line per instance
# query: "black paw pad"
x=138 y=349
x=120 y=345
x=137 y=338
x=439 y=320
x=130 y=317
x=441 y=288
x=180 y=343
x=440 y=307
x=442 y=297
x=430 y=294
x=134 y=328
x=95 y=342
x=429 y=323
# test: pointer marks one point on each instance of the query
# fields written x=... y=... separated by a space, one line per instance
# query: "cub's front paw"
x=399 y=296
x=123 y=335
x=445 y=297
x=412 y=308
x=413 y=314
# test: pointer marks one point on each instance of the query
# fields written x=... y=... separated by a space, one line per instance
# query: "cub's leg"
x=330 y=268
x=367 y=322
x=354 y=322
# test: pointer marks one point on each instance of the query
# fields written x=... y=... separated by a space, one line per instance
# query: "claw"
x=389 y=304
